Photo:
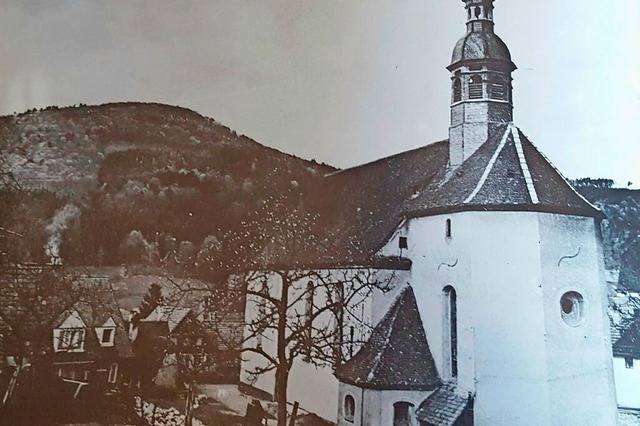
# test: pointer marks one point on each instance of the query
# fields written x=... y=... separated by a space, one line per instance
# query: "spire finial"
x=479 y=15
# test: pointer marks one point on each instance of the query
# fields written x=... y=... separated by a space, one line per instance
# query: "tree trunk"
x=282 y=370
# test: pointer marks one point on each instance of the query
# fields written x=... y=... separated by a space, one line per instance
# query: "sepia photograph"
x=319 y=212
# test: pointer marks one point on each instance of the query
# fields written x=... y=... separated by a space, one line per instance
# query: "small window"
x=628 y=362
x=457 y=90
x=478 y=12
x=403 y=243
x=402 y=414
x=448 y=229
x=113 y=373
x=349 y=408
x=107 y=336
x=475 y=87
x=572 y=308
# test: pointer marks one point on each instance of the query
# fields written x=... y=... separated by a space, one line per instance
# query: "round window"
x=572 y=308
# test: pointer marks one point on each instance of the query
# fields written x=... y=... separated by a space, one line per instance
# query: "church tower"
x=481 y=70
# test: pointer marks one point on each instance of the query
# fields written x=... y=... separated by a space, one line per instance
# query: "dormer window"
x=70 y=335
x=69 y=340
x=106 y=333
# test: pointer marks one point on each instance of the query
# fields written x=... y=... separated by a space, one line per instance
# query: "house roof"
x=628 y=345
x=443 y=407
x=172 y=315
x=397 y=354
x=95 y=313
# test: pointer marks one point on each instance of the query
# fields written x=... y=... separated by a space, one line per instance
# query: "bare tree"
x=297 y=308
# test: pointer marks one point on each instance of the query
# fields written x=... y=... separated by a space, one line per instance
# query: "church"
x=498 y=310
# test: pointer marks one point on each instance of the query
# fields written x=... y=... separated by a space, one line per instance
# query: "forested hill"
x=620 y=229
x=97 y=184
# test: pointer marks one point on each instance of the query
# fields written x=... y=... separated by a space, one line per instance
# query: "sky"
x=340 y=81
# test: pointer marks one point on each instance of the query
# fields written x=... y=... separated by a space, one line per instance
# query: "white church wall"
x=627 y=383
x=305 y=375
x=503 y=266
x=375 y=407
x=579 y=350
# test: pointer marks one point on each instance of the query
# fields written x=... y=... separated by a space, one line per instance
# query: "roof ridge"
x=379 y=160
x=524 y=166
x=566 y=181
x=492 y=162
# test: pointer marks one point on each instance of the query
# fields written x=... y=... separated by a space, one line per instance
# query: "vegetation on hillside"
x=130 y=183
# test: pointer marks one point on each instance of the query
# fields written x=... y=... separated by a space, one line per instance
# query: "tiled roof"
x=480 y=45
x=172 y=315
x=360 y=208
x=95 y=313
x=506 y=173
x=20 y=288
x=397 y=355
x=628 y=345
x=443 y=407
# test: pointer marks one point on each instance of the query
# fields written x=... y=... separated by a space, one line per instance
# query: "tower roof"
x=397 y=355
x=480 y=45
x=507 y=173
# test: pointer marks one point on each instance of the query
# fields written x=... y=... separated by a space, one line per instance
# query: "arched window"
x=457 y=90
x=475 y=87
x=478 y=11
x=450 y=322
x=498 y=88
x=349 y=408
x=402 y=414
x=448 y=229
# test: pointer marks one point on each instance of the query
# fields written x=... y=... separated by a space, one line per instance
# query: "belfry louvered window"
x=457 y=90
x=498 y=88
x=475 y=87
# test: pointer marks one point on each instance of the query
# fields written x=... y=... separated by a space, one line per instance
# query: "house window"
x=403 y=243
x=628 y=362
x=457 y=90
x=107 y=337
x=70 y=339
x=402 y=414
x=448 y=229
x=113 y=373
x=349 y=408
x=475 y=87
x=450 y=321
x=572 y=308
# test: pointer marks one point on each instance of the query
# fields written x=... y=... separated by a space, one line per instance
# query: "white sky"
x=343 y=82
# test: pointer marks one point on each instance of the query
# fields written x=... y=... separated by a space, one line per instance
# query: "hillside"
x=620 y=229
x=105 y=184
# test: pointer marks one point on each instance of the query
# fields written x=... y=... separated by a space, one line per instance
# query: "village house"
x=80 y=344
x=626 y=366
x=497 y=311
